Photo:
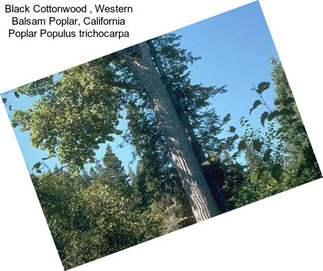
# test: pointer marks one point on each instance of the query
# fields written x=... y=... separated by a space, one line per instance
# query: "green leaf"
x=288 y=101
x=4 y=100
x=79 y=162
x=267 y=155
x=232 y=129
x=226 y=118
x=277 y=102
x=273 y=115
x=255 y=105
x=260 y=172
x=118 y=132
x=242 y=145
x=277 y=171
x=37 y=165
x=109 y=138
x=262 y=87
x=263 y=117
x=257 y=145
x=94 y=134
x=107 y=129
x=106 y=159
x=16 y=94
x=286 y=112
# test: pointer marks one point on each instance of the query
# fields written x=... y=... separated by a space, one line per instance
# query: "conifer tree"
x=81 y=109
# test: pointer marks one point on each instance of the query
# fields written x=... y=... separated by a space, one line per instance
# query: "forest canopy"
x=191 y=162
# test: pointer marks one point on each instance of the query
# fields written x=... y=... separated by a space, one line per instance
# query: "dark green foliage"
x=255 y=105
x=229 y=174
x=302 y=161
x=79 y=110
x=92 y=214
x=73 y=114
x=99 y=213
x=263 y=118
x=191 y=100
x=113 y=172
x=280 y=157
x=262 y=87
x=156 y=180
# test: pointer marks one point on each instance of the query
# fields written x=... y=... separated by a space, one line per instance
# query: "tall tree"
x=292 y=130
x=280 y=156
x=156 y=179
x=81 y=109
x=190 y=101
x=183 y=156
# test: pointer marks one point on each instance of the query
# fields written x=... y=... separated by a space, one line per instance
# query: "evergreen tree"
x=113 y=172
x=302 y=162
x=281 y=157
x=81 y=109
x=98 y=213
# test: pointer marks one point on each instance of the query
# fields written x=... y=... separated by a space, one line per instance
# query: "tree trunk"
x=209 y=174
x=184 y=159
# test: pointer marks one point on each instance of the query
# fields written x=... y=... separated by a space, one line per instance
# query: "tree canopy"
x=186 y=170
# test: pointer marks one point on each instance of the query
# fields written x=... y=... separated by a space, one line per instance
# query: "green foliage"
x=74 y=114
x=192 y=100
x=156 y=180
x=96 y=214
x=38 y=87
x=80 y=109
x=242 y=145
x=105 y=210
x=280 y=157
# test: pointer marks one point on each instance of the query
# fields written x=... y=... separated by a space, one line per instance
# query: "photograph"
x=161 y=135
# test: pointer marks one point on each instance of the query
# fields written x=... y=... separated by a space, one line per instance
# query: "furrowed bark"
x=197 y=148
x=184 y=159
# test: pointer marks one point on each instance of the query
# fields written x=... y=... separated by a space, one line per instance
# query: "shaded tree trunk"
x=209 y=174
x=184 y=159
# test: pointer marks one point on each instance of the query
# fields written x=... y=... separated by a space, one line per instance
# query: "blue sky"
x=234 y=47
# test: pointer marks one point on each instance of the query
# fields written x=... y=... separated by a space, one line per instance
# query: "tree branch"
x=127 y=86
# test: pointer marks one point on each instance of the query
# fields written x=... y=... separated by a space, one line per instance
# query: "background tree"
x=101 y=213
x=281 y=157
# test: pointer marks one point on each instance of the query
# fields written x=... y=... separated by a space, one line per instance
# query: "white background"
x=283 y=232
